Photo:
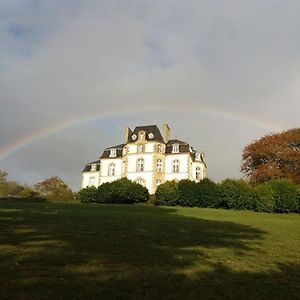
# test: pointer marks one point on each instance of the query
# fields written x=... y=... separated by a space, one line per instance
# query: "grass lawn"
x=87 y=251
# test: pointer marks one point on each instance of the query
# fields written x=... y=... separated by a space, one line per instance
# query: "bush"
x=187 y=193
x=286 y=196
x=122 y=191
x=167 y=194
x=298 y=195
x=28 y=193
x=264 y=198
x=207 y=193
x=235 y=194
x=87 y=195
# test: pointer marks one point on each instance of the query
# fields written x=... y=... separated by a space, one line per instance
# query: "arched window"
x=175 y=166
x=140 y=165
x=159 y=165
x=92 y=181
x=141 y=181
x=141 y=148
x=198 y=173
x=111 y=169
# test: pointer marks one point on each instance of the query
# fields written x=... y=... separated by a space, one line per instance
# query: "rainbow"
x=53 y=129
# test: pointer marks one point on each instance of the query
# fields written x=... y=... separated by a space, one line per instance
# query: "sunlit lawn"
x=85 y=251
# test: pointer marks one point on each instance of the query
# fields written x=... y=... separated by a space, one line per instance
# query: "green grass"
x=86 y=251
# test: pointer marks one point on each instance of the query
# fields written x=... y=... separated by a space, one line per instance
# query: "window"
x=198 y=156
x=134 y=137
x=151 y=135
x=198 y=173
x=140 y=165
x=141 y=181
x=142 y=135
x=113 y=153
x=175 y=166
x=92 y=181
x=175 y=148
x=141 y=148
x=158 y=182
x=111 y=169
x=159 y=165
x=159 y=148
x=93 y=167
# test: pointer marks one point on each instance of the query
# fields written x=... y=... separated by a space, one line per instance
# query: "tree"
x=3 y=175
x=54 y=189
x=273 y=156
x=9 y=188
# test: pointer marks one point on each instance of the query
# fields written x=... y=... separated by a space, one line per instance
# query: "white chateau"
x=147 y=157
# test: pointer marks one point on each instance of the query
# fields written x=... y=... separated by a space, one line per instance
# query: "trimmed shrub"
x=235 y=194
x=167 y=193
x=264 y=198
x=298 y=195
x=286 y=196
x=207 y=193
x=122 y=191
x=87 y=195
x=187 y=193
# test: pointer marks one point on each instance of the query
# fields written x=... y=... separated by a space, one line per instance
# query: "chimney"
x=166 y=132
x=127 y=133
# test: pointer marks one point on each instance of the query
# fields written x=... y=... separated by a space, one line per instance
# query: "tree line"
x=271 y=166
x=53 y=189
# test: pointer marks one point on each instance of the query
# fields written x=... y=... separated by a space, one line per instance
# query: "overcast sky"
x=221 y=73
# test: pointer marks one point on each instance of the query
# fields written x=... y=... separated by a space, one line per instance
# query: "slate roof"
x=119 y=151
x=148 y=129
x=87 y=167
x=184 y=147
x=116 y=147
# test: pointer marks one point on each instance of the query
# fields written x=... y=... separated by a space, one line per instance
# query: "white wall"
x=86 y=178
x=104 y=164
x=183 y=166
x=193 y=170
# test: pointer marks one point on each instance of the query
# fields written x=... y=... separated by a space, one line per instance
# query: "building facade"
x=146 y=157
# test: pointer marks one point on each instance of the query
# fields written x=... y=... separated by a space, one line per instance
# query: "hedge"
x=264 y=198
x=187 y=193
x=286 y=196
x=235 y=194
x=207 y=194
x=167 y=194
x=119 y=191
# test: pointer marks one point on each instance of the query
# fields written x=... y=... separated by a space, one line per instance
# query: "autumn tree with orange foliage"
x=273 y=156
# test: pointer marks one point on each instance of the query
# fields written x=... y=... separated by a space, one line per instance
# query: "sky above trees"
x=221 y=73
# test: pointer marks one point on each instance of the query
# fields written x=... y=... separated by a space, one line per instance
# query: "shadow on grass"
x=69 y=251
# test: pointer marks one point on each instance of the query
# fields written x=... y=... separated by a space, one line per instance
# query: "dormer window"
x=93 y=167
x=134 y=137
x=175 y=148
x=113 y=153
x=142 y=135
x=198 y=156
x=150 y=135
